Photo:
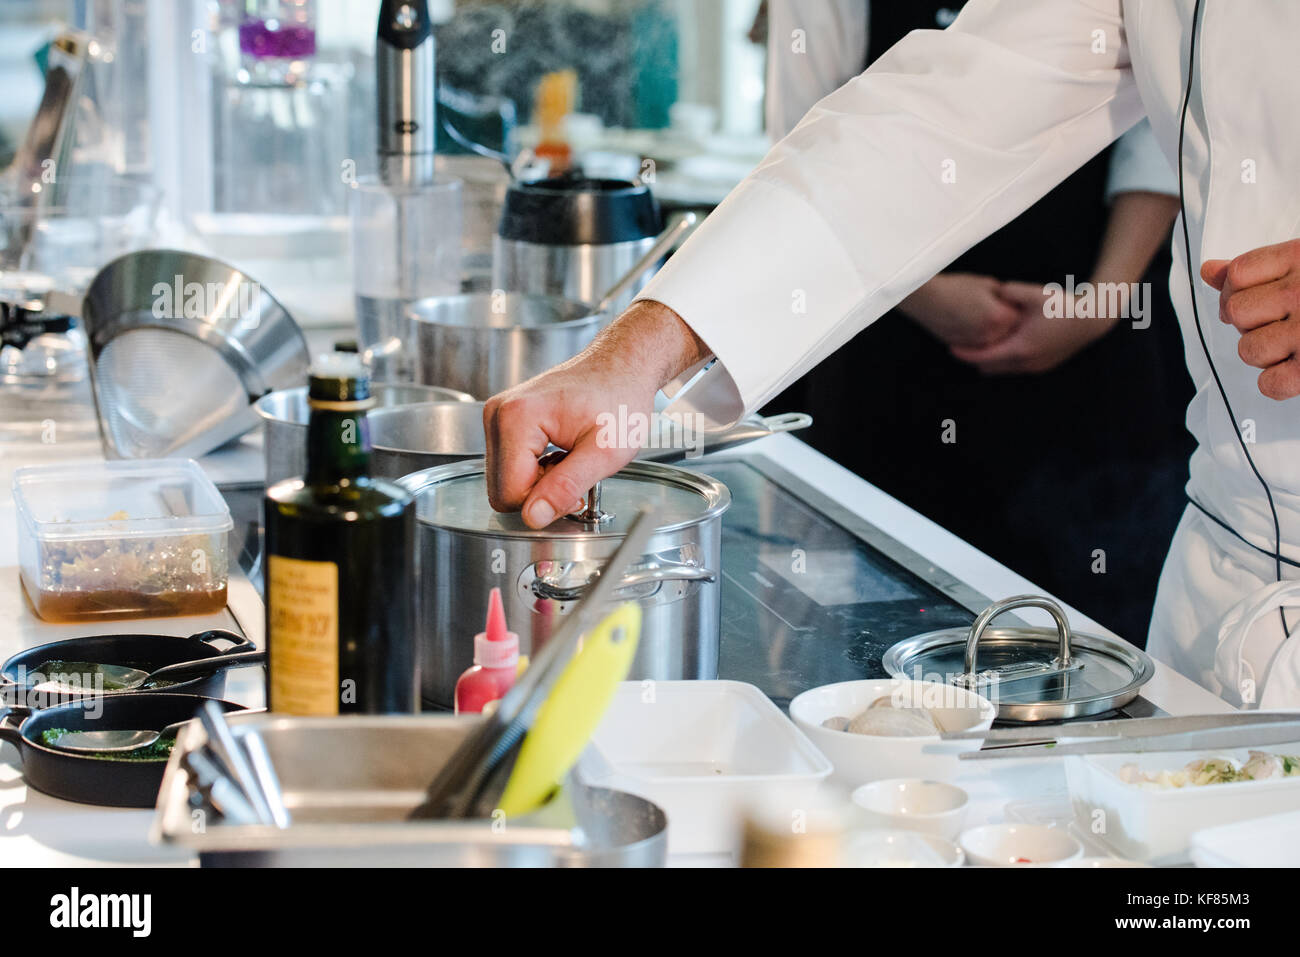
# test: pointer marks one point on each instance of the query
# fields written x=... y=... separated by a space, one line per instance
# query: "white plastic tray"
x=701 y=750
x=1156 y=824
x=1263 y=842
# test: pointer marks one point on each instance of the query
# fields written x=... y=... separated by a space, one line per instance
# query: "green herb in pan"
x=158 y=751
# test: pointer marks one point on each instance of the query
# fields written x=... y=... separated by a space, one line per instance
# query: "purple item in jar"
x=271 y=38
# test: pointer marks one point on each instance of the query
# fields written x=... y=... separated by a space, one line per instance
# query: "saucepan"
x=418 y=437
x=285 y=414
x=147 y=652
x=484 y=343
x=91 y=779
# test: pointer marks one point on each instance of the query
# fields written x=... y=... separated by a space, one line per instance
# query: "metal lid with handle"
x=455 y=497
x=1031 y=674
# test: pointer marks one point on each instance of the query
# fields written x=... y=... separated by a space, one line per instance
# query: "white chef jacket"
x=953 y=133
x=816 y=46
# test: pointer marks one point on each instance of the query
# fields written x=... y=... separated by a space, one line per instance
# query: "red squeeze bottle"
x=496 y=662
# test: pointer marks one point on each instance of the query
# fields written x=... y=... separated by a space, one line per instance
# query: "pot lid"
x=455 y=497
x=1030 y=674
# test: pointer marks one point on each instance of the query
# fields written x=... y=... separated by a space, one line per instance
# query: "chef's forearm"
x=1136 y=230
x=650 y=340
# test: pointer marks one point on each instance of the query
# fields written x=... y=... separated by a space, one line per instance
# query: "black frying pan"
x=147 y=652
x=90 y=780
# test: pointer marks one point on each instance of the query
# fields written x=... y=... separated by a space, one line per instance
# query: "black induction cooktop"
x=811 y=593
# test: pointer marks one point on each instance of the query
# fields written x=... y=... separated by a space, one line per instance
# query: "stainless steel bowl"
x=484 y=343
x=181 y=346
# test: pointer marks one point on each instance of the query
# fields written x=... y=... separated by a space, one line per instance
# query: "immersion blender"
x=407 y=224
x=405 y=65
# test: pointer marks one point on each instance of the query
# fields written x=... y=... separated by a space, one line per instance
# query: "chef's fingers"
x=1215 y=272
x=1265 y=264
x=1281 y=381
x=1258 y=306
x=515 y=439
x=563 y=487
x=1270 y=344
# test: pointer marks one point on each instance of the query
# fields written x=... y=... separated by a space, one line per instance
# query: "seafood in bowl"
x=883 y=752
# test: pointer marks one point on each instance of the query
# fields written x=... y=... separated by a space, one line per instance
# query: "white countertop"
x=37 y=830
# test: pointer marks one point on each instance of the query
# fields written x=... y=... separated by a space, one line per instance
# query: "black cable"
x=1196 y=314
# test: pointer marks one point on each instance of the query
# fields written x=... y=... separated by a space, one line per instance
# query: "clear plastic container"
x=107 y=540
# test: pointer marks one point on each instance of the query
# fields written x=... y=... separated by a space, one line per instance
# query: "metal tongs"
x=1184 y=733
x=469 y=784
x=233 y=774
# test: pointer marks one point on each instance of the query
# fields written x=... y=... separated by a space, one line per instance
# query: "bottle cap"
x=495 y=647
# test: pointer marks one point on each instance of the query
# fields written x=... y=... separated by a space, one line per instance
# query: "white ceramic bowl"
x=930 y=807
x=890 y=847
x=1019 y=845
x=859 y=758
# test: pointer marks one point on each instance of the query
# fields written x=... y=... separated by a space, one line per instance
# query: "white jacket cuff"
x=748 y=311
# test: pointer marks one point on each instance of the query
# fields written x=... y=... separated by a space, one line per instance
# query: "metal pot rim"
x=585 y=313
x=263 y=406
x=716 y=495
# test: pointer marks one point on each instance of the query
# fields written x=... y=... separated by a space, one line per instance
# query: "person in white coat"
x=1106 y=475
x=944 y=139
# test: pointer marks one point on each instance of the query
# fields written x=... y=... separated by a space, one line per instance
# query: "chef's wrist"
x=651 y=340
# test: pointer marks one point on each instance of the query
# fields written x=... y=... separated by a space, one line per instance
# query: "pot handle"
x=237 y=642
x=649 y=574
x=971 y=678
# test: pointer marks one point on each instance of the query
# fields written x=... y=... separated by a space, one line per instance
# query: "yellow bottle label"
x=303 y=598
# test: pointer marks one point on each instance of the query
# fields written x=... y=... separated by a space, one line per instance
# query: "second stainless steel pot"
x=424 y=436
x=285 y=415
x=484 y=343
x=466 y=549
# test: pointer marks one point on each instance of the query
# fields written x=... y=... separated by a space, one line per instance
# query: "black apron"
x=1046 y=469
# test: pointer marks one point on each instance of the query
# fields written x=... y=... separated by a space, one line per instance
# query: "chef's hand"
x=643 y=350
x=962 y=309
x=1259 y=293
x=1037 y=343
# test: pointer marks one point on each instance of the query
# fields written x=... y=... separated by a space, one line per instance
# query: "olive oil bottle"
x=340 y=555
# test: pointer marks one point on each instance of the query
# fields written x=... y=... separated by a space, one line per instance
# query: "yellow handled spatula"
x=568 y=717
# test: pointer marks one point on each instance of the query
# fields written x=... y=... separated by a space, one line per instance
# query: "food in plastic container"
x=105 y=540
x=1146 y=822
x=1260 y=766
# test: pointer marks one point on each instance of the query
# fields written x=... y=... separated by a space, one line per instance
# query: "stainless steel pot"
x=417 y=437
x=466 y=549
x=484 y=343
x=285 y=414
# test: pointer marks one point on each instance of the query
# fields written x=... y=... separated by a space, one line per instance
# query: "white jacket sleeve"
x=1137 y=165
x=949 y=136
x=813 y=47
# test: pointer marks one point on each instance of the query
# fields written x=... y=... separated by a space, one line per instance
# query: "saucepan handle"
x=235 y=642
x=11 y=718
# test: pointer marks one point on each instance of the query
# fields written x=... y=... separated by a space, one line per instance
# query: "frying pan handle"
x=237 y=642
x=10 y=720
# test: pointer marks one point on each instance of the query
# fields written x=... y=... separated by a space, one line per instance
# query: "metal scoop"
x=81 y=675
x=117 y=741
x=114 y=742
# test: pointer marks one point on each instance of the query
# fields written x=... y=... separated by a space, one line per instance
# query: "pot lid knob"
x=590 y=514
